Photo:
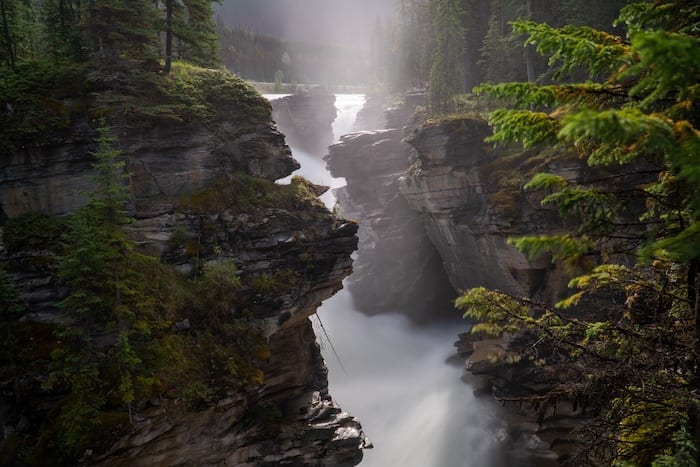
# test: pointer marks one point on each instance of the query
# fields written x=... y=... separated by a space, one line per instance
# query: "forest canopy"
x=626 y=341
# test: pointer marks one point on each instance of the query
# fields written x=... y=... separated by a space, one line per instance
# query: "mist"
x=324 y=22
x=396 y=376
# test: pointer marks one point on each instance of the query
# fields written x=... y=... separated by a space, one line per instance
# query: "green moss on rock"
x=204 y=95
x=241 y=193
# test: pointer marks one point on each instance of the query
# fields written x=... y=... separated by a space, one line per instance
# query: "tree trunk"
x=529 y=56
x=693 y=294
x=168 y=36
x=8 y=36
x=694 y=299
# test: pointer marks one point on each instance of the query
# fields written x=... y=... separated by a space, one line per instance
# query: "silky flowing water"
x=394 y=376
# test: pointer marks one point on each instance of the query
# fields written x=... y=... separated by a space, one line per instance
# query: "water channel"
x=395 y=376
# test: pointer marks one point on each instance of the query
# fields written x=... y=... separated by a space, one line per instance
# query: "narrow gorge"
x=435 y=205
x=390 y=331
x=431 y=209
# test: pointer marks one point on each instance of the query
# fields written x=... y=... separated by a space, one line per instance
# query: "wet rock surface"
x=447 y=185
x=397 y=267
x=434 y=200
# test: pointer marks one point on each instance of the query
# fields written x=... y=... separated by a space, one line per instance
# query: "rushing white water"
x=393 y=376
x=313 y=167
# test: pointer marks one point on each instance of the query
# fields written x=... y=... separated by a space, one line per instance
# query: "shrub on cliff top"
x=206 y=94
x=239 y=193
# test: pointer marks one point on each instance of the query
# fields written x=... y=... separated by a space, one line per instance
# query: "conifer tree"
x=122 y=31
x=446 y=73
x=61 y=23
x=105 y=281
x=189 y=26
x=19 y=31
x=501 y=56
x=631 y=326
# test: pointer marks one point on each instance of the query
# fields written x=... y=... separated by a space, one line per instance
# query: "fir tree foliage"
x=448 y=56
x=116 y=34
x=632 y=321
x=106 y=283
x=190 y=32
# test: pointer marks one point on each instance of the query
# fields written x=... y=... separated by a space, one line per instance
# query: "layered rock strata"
x=313 y=249
x=172 y=166
x=397 y=267
x=434 y=200
x=471 y=201
x=447 y=186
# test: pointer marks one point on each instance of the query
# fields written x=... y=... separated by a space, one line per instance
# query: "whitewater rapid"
x=395 y=376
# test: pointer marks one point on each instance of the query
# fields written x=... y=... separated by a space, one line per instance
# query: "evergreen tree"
x=446 y=73
x=106 y=284
x=501 y=54
x=632 y=323
x=19 y=31
x=122 y=31
x=413 y=42
x=476 y=23
x=61 y=20
x=189 y=25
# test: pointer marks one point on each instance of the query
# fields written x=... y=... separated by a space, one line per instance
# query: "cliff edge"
x=235 y=376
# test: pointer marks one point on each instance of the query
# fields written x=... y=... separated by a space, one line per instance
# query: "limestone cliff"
x=436 y=206
x=397 y=267
x=471 y=201
x=200 y=192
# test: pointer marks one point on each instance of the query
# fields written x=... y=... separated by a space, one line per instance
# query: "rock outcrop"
x=307 y=118
x=471 y=201
x=446 y=187
x=435 y=202
x=397 y=267
x=165 y=162
x=313 y=249
x=210 y=187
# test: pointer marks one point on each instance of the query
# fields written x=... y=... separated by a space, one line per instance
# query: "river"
x=394 y=376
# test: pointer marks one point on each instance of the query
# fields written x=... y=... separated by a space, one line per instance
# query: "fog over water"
x=394 y=376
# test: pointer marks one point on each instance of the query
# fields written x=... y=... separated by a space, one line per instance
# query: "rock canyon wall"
x=198 y=192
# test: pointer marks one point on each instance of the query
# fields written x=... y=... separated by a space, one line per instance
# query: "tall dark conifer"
x=446 y=74
x=190 y=33
x=122 y=31
x=628 y=336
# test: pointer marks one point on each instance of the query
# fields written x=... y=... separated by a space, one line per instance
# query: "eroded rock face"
x=471 y=201
x=397 y=267
x=165 y=162
x=170 y=164
x=309 y=428
x=307 y=117
x=449 y=185
x=313 y=248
